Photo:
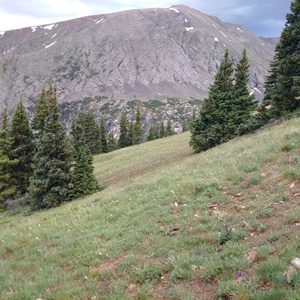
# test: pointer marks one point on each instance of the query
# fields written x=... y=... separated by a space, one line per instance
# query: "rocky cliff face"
x=106 y=62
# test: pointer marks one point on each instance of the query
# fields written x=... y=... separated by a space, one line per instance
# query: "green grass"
x=119 y=238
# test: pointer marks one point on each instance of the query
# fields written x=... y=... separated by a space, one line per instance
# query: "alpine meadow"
x=160 y=162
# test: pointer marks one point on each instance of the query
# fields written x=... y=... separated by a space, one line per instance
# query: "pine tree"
x=50 y=184
x=103 y=137
x=215 y=124
x=23 y=147
x=90 y=133
x=169 y=131
x=286 y=92
x=44 y=106
x=194 y=115
x=77 y=132
x=123 y=139
x=151 y=135
x=138 y=130
x=271 y=82
x=84 y=181
x=7 y=182
x=162 y=130
x=243 y=103
x=130 y=136
x=184 y=126
x=98 y=138
x=112 y=144
x=157 y=131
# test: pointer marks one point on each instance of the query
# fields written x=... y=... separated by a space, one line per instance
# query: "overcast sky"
x=262 y=17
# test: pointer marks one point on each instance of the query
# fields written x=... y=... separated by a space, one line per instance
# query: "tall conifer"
x=123 y=139
x=77 y=132
x=285 y=94
x=130 y=134
x=169 y=131
x=138 y=130
x=162 y=130
x=23 y=146
x=84 y=181
x=50 y=184
x=90 y=133
x=7 y=182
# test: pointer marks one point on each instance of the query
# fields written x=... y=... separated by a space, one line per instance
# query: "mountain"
x=164 y=57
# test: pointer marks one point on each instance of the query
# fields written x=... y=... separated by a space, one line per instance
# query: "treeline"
x=230 y=110
x=38 y=164
x=85 y=130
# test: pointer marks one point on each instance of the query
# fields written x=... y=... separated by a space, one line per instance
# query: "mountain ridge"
x=147 y=54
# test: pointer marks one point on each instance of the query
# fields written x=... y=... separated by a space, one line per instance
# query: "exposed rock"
x=290 y=273
x=246 y=226
x=263 y=175
x=251 y=256
x=296 y=263
x=106 y=61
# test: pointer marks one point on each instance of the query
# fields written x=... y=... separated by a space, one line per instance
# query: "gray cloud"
x=263 y=17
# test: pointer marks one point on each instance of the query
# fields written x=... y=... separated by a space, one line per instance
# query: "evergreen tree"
x=243 y=103
x=169 y=131
x=130 y=134
x=98 y=138
x=50 y=184
x=112 y=144
x=103 y=137
x=138 y=130
x=162 y=130
x=285 y=94
x=45 y=105
x=90 y=133
x=184 y=126
x=77 y=132
x=23 y=147
x=194 y=115
x=84 y=181
x=123 y=139
x=157 y=131
x=271 y=82
x=151 y=135
x=7 y=182
x=215 y=124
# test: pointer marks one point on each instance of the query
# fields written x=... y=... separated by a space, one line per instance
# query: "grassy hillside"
x=131 y=241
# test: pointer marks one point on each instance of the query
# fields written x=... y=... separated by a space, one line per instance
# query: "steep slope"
x=131 y=241
x=137 y=54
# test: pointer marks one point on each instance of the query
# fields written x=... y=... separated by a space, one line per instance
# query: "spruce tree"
x=157 y=131
x=162 y=130
x=169 y=131
x=194 y=115
x=123 y=139
x=77 y=132
x=98 y=138
x=84 y=181
x=184 y=126
x=243 y=103
x=103 y=137
x=112 y=144
x=130 y=134
x=215 y=123
x=45 y=105
x=50 y=184
x=7 y=182
x=151 y=135
x=138 y=130
x=271 y=82
x=90 y=133
x=286 y=92
x=23 y=147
